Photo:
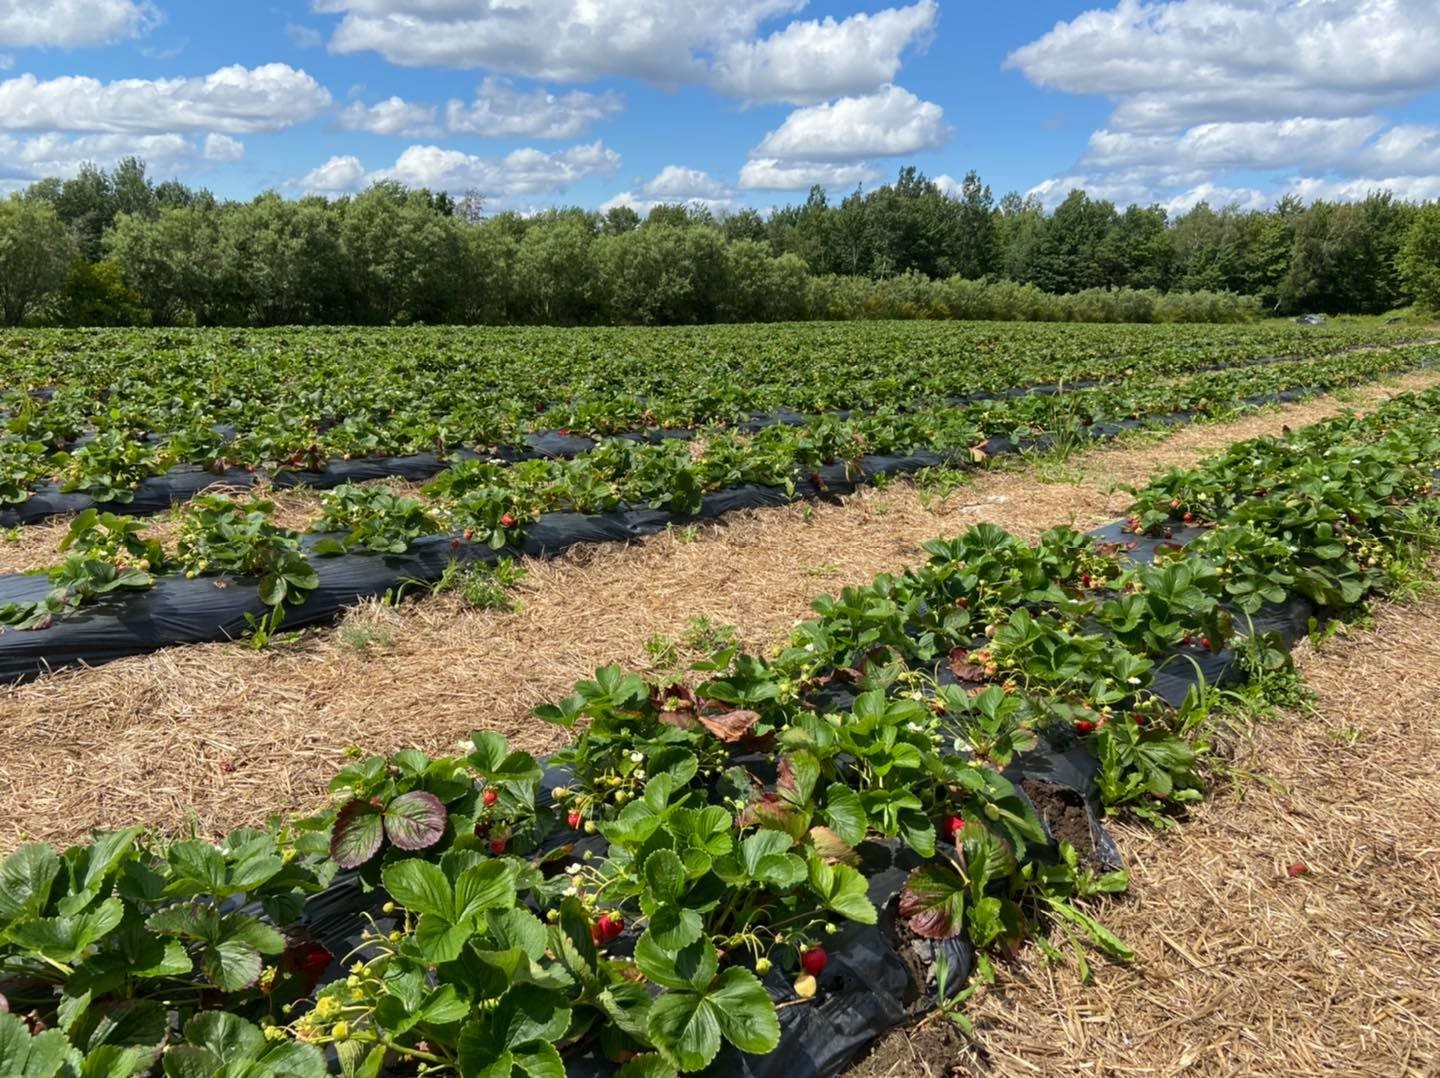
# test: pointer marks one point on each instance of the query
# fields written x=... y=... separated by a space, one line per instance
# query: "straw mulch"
x=1241 y=968
x=211 y=737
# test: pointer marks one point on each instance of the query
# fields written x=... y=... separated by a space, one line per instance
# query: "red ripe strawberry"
x=507 y=521
x=607 y=928
x=812 y=961
x=1084 y=726
x=574 y=820
x=1139 y=719
x=250 y=468
x=1086 y=580
x=454 y=544
x=497 y=846
x=953 y=826
x=490 y=797
x=307 y=961
x=1299 y=868
x=1188 y=518
x=1205 y=642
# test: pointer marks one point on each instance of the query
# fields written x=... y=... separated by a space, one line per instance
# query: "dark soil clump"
x=1065 y=814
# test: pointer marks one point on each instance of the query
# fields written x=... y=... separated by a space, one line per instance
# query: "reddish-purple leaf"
x=933 y=902
x=357 y=835
x=415 y=821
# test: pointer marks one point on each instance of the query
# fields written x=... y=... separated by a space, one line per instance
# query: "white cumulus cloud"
x=499 y=110
x=234 y=99
x=55 y=154
x=677 y=184
x=72 y=23
x=339 y=174
x=1190 y=61
x=393 y=116
x=890 y=122
x=675 y=181
x=1410 y=188
x=566 y=40
x=723 y=43
x=1207 y=94
x=223 y=148
x=1251 y=144
x=521 y=172
x=817 y=59
x=770 y=174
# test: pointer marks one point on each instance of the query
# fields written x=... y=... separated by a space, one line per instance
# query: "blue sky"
x=731 y=102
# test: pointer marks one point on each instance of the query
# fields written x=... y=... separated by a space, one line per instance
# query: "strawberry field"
x=758 y=864
x=96 y=417
x=615 y=435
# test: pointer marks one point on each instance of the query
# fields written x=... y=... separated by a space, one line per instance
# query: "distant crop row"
x=97 y=412
x=488 y=502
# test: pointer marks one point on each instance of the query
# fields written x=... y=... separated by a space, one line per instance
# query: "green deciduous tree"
x=96 y=295
x=282 y=257
x=175 y=262
x=1419 y=258
x=403 y=254
x=35 y=253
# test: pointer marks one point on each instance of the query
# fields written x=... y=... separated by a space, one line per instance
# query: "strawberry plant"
x=1165 y=604
x=221 y=535
x=993 y=725
x=110 y=554
x=110 y=466
x=411 y=803
x=372 y=519
x=1145 y=770
x=22 y=464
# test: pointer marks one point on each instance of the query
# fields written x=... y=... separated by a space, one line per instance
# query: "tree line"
x=115 y=248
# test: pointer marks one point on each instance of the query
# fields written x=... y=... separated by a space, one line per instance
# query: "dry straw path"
x=216 y=736
x=1242 y=969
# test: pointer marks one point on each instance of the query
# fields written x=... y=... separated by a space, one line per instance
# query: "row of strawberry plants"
x=146 y=402
x=504 y=947
x=493 y=503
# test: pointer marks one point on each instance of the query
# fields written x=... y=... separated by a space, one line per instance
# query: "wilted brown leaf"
x=730 y=726
x=964 y=669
